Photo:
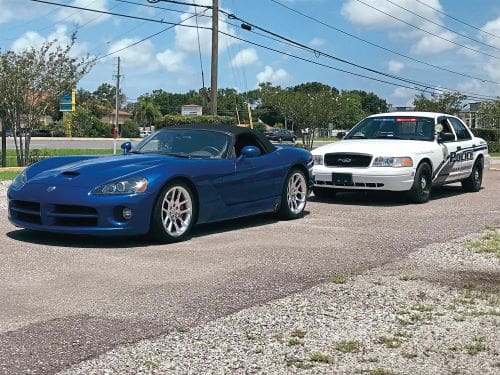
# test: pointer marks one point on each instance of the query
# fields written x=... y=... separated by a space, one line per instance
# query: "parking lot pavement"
x=65 y=299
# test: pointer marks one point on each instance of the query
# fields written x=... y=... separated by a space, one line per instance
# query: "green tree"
x=146 y=111
x=489 y=114
x=85 y=124
x=371 y=103
x=449 y=103
x=30 y=81
x=130 y=129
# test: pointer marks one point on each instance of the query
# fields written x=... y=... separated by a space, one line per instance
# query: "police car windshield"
x=394 y=127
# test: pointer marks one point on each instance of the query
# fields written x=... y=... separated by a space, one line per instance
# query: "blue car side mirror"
x=250 y=151
x=126 y=147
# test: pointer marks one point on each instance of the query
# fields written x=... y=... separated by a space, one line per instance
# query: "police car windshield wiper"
x=388 y=136
x=358 y=137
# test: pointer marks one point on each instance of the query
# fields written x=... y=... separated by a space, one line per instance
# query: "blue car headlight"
x=19 y=181
x=127 y=186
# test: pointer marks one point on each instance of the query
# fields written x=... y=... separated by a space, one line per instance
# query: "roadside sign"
x=67 y=101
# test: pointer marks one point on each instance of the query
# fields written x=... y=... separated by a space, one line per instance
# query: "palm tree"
x=146 y=111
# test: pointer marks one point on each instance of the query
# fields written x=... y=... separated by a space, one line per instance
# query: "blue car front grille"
x=54 y=214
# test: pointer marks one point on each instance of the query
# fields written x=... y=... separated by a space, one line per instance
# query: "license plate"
x=342 y=179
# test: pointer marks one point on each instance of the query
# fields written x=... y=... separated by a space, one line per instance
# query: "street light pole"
x=215 y=56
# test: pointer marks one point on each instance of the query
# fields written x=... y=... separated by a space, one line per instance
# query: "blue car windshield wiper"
x=176 y=154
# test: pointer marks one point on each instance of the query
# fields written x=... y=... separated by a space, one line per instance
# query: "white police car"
x=402 y=151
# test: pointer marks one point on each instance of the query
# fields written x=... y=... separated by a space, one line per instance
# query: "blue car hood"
x=94 y=171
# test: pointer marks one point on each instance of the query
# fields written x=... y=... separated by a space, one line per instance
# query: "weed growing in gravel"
x=295 y=341
x=298 y=333
x=280 y=338
x=476 y=346
x=151 y=365
x=410 y=278
x=321 y=357
x=299 y=364
x=389 y=342
x=404 y=334
x=379 y=371
x=349 y=346
x=488 y=243
x=408 y=355
x=339 y=279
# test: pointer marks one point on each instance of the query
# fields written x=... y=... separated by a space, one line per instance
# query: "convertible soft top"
x=227 y=128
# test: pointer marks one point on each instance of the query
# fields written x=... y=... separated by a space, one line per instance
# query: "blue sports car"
x=171 y=180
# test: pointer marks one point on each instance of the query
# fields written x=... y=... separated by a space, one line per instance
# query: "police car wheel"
x=420 y=192
x=474 y=181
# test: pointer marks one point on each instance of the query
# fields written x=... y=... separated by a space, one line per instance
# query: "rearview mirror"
x=250 y=151
x=126 y=147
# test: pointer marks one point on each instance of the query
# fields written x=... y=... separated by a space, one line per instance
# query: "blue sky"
x=170 y=61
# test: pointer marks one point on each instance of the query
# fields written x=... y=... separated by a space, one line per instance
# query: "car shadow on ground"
x=385 y=198
x=125 y=242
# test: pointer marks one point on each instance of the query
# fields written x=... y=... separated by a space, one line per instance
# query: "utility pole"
x=117 y=105
x=215 y=56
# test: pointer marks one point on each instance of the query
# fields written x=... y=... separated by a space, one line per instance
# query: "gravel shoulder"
x=436 y=311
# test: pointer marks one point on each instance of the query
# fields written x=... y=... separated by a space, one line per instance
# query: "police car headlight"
x=389 y=161
x=318 y=159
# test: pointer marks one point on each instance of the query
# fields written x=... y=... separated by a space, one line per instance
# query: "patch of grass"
x=488 y=243
x=280 y=338
x=295 y=341
x=49 y=152
x=409 y=355
x=298 y=333
x=410 y=277
x=423 y=308
x=476 y=346
x=151 y=365
x=339 y=279
x=389 y=342
x=349 y=346
x=8 y=175
x=321 y=357
x=299 y=364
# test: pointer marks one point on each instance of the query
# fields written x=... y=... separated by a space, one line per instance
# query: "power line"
x=382 y=47
x=159 y=7
x=428 y=32
x=442 y=26
x=413 y=88
x=458 y=20
x=319 y=53
x=116 y=14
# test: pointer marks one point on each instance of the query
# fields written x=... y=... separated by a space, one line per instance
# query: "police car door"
x=462 y=157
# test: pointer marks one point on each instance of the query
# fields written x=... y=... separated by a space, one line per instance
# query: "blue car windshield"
x=192 y=143
x=394 y=127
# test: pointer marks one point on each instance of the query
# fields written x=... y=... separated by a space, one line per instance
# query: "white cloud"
x=81 y=17
x=276 y=77
x=11 y=10
x=244 y=57
x=403 y=96
x=138 y=56
x=171 y=60
x=316 y=42
x=492 y=27
x=381 y=15
x=32 y=39
x=395 y=67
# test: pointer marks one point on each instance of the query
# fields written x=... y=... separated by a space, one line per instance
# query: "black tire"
x=420 y=192
x=321 y=192
x=473 y=183
x=294 y=195
x=174 y=213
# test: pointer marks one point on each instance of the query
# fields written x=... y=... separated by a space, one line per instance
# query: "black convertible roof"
x=227 y=128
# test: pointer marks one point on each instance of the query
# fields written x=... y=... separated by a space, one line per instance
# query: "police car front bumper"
x=374 y=178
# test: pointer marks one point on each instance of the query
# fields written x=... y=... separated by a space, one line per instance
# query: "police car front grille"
x=347 y=160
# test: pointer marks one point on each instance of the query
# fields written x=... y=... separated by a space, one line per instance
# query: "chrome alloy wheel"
x=176 y=211
x=296 y=193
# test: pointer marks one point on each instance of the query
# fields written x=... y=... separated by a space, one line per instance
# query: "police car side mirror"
x=341 y=135
x=446 y=137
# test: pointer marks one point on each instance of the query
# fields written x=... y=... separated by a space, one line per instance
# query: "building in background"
x=191 y=110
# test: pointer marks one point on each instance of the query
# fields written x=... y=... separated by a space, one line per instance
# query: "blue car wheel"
x=294 y=196
x=174 y=213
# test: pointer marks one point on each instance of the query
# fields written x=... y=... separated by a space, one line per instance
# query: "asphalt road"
x=65 y=299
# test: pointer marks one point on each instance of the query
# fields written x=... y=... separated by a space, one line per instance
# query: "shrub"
x=170 y=120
